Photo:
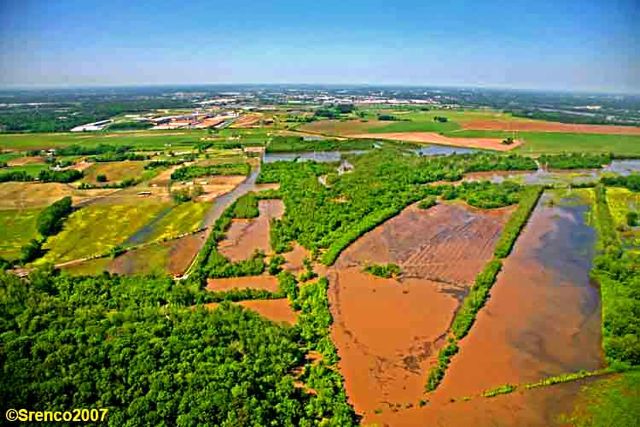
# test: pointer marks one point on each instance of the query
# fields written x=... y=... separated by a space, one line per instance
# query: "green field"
x=141 y=140
x=114 y=171
x=614 y=401
x=17 y=227
x=98 y=228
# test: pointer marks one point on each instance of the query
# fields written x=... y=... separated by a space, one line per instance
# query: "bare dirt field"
x=21 y=161
x=248 y=235
x=388 y=331
x=436 y=138
x=525 y=125
x=265 y=282
x=248 y=120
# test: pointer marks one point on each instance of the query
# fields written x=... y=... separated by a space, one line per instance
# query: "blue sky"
x=560 y=44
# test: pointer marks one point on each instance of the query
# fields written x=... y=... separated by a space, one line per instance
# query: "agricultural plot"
x=24 y=195
x=17 y=227
x=115 y=172
x=171 y=222
x=147 y=140
x=99 y=228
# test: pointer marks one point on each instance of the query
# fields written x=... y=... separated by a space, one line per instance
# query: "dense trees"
x=383 y=183
x=190 y=172
x=632 y=181
x=50 y=219
x=135 y=347
x=575 y=161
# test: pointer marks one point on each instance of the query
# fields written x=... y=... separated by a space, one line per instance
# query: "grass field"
x=613 y=401
x=98 y=228
x=114 y=171
x=32 y=169
x=422 y=121
x=621 y=201
x=140 y=140
x=541 y=142
x=17 y=227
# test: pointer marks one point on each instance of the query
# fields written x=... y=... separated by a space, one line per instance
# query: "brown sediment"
x=388 y=331
x=543 y=126
x=543 y=319
x=267 y=283
x=294 y=258
x=182 y=252
x=541 y=407
x=436 y=138
x=277 y=310
x=448 y=242
x=248 y=235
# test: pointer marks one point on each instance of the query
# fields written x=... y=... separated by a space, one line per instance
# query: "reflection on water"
x=222 y=202
x=442 y=150
x=316 y=156
x=553 y=177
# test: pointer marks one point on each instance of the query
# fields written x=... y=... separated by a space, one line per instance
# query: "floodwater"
x=388 y=331
x=442 y=150
x=316 y=156
x=552 y=177
x=224 y=201
x=245 y=236
x=268 y=283
x=543 y=319
x=277 y=310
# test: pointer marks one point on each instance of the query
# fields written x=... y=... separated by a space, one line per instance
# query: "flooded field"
x=267 y=283
x=248 y=235
x=558 y=177
x=316 y=156
x=543 y=319
x=388 y=331
x=277 y=310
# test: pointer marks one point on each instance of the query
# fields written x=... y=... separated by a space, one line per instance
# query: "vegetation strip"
x=618 y=273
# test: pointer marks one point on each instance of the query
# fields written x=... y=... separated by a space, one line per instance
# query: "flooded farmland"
x=543 y=319
x=388 y=331
x=248 y=235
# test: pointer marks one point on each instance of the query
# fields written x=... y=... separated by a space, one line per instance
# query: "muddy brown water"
x=264 y=282
x=543 y=319
x=248 y=235
x=277 y=310
x=388 y=331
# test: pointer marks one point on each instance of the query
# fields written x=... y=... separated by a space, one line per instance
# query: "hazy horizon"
x=571 y=46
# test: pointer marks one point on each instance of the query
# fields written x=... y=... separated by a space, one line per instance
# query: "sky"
x=581 y=45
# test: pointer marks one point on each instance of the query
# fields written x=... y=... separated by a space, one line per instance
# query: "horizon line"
x=36 y=86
